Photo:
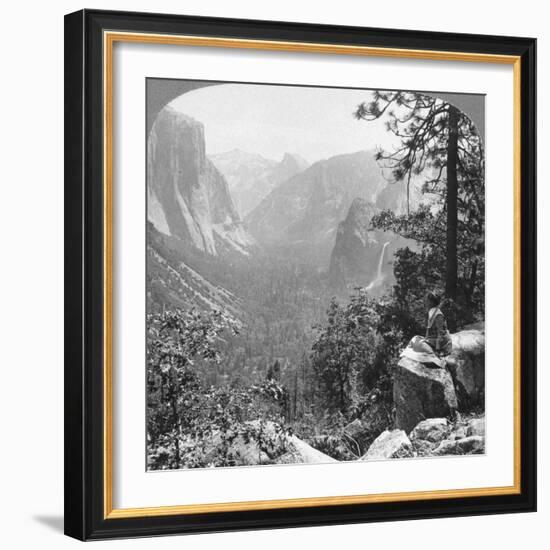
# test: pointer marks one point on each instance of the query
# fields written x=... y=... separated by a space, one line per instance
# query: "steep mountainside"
x=171 y=282
x=394 y=196
x=188 y=198
x=303 y=213
x=357 y=249
x=290 y=165
x=363 y=257
x=251 y=177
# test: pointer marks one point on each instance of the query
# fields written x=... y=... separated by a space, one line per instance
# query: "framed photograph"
x=300 y=274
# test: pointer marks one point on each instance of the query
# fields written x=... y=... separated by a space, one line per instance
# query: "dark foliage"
x=437 y=139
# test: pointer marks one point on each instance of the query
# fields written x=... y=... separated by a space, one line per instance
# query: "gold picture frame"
x=102 y=31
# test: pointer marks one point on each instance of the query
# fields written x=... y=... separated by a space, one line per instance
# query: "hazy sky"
x=316 y=123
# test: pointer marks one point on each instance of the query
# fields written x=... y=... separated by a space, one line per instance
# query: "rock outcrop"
x=476 y=426
x=474 y=444
x=301 y=453
x=421 y=392
x=467 y=366
x=187 y=197
x=363 y=256
x=441 y=437
x=357 y=248
x=389 y=444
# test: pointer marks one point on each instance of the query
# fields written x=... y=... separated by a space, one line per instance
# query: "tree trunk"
x=174 y=406
x=452 y=192
x=295 y=394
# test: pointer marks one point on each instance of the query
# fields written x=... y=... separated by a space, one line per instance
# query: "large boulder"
x=389 y=444
x=467 y=366
x=421 y=392
x=301 y=453
x=339 y=446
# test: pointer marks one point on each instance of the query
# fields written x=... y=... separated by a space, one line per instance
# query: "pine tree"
x=437 y=139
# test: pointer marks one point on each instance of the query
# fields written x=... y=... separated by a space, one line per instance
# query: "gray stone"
x=301 y=453
x=467 y=366
x=422 y=447
x=459 y=433
x=389 y=444
x=420 y=393
x=474 y=444
x=433 y=429
x=476 y=426
x=479 y=326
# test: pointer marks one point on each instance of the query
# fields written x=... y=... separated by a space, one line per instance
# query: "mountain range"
x=318 y=214
x=251 y=177
x=302 y=214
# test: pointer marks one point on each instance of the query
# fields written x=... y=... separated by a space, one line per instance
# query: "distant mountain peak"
x=304 y=211
x=251 y=177
x=294 y=160
x=287 y=156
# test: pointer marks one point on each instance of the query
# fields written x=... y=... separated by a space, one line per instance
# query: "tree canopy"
x=440 y=144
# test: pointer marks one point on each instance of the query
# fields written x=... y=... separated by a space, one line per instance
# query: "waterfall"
x=381 y=261
x=379 y=275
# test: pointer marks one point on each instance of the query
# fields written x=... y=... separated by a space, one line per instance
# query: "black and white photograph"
x=271 y=275
x=315 y=271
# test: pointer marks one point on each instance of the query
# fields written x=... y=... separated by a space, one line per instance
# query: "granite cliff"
x=302 y=214
x=187 y=197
